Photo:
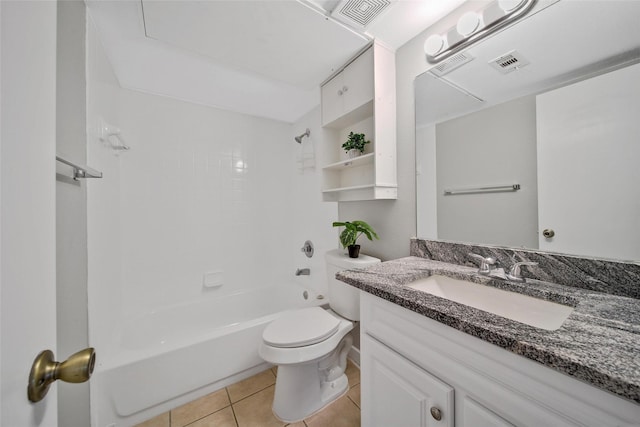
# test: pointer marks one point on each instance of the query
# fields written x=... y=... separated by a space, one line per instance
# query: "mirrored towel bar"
x=494 y=189
x=80 y=171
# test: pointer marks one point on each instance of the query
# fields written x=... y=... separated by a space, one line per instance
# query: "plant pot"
x=353 y=153
x=354 y=251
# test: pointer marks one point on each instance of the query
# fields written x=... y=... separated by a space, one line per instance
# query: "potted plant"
x=353 y=230
x=355 y=144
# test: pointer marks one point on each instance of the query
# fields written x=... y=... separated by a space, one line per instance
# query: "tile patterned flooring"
x=248 y=404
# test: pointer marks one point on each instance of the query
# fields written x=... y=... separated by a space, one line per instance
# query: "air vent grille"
x=362 y=12
x=451 y=64
x=509 y=62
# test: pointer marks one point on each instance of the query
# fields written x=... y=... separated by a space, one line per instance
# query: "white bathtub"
x=176 y=354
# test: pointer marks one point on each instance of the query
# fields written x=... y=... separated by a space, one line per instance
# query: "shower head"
x=299 y=138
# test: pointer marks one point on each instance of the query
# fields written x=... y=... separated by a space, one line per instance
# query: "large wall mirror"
x=541 y=151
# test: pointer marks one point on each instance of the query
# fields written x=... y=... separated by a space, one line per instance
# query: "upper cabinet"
x=361 y=99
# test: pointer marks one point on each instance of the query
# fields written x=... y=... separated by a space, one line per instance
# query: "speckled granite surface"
x=613 y=277
x=599 y=343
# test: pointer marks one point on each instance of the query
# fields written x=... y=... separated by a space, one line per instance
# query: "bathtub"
x=173 y=355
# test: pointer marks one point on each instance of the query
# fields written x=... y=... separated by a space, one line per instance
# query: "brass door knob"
x=436 y=413
x=44 y=371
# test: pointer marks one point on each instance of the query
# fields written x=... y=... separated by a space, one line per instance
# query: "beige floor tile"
x=255 y=410
x=298 y=424
x=354 y=394
x=341 y=413
x=353 y=373
x=251 y=385
x=199 y=408
x=222 y=418
x=161 y=420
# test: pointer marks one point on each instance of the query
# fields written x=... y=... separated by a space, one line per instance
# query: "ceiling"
x=263 y=57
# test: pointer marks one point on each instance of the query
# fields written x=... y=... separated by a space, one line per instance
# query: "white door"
x=395 y=392
x=27 y=196
x=588 y=175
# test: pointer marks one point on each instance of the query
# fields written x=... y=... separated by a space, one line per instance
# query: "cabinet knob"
x=345 y=88
x=436 y=413
x=340 y=92
x=548 y=233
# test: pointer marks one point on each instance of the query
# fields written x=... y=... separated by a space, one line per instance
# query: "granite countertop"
x=599 y=343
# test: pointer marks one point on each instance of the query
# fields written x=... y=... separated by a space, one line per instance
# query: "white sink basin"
x=521 y=308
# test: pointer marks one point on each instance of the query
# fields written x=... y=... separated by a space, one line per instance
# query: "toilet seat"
x=301 y=328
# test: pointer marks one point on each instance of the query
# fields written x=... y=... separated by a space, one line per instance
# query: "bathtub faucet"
x=303 y=272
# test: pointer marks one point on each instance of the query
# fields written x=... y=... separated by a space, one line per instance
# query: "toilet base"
x=305 y=398
x=302 y=390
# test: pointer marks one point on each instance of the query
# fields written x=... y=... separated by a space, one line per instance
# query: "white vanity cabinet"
x=411 y=364
x=361 y=99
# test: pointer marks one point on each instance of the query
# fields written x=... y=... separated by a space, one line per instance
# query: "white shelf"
x=361 y=99
x=364 y=159
x=360 y=192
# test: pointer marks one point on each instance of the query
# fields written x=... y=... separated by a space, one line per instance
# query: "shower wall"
x=202 y=191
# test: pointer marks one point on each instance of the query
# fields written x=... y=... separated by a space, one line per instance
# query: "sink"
x=521 y=308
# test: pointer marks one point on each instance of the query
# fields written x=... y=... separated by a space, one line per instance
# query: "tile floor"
x=248 y=404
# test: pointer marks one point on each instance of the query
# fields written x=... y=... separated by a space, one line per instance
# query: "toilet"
x=310 y=345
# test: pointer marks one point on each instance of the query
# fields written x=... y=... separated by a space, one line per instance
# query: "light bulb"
x=509 y=5
x=468 y=23
x=433 y=44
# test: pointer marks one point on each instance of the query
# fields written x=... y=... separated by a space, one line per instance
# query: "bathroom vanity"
x=427 y=360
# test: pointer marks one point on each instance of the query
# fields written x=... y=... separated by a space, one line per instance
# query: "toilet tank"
x=345 y=299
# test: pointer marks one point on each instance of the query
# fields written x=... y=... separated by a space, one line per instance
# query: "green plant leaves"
x=355 y=141
x=353 y=230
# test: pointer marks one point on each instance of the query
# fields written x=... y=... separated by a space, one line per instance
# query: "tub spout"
x=303 y=272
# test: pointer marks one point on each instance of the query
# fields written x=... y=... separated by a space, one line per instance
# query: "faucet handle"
x=515 y=274
x=486 y=264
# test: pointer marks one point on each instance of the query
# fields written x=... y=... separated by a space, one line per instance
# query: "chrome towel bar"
x=499 y=188
x=80 y=171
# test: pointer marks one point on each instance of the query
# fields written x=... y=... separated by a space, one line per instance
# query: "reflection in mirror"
x=559 y=136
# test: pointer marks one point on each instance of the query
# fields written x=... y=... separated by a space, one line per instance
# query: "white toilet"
x=310 y=345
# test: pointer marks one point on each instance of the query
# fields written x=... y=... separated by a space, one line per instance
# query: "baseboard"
x=354 y=355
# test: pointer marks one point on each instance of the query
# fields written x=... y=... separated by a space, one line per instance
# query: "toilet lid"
x=300 y=328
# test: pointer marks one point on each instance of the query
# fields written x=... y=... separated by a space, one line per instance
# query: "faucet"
x=303 y=272
x=514 y=273
x=486 y=264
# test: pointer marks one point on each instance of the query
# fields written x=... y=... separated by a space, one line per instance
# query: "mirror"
x=545 y=155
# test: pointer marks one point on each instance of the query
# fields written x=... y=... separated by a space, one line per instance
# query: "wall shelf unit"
x=361 y=99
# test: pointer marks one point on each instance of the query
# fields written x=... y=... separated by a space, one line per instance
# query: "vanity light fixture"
x=474 y=26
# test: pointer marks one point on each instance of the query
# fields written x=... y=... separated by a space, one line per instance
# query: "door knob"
x=44 y=371
x=436 y=413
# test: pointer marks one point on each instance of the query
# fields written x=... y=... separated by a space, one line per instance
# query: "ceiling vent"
x=456 y=61
x=509 y=62
x=359 y=13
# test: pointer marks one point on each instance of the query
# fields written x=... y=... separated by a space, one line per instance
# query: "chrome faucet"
x=515 y=274
x=303 y=272
x=486 y=264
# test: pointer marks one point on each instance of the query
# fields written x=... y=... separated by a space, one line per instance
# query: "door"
x=588 y=175
x=27 y=196
x=395 y=392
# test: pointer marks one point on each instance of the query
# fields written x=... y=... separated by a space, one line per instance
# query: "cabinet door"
x=476 y=415
x=395 y=392
x=358 y=86
x=332 y=99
